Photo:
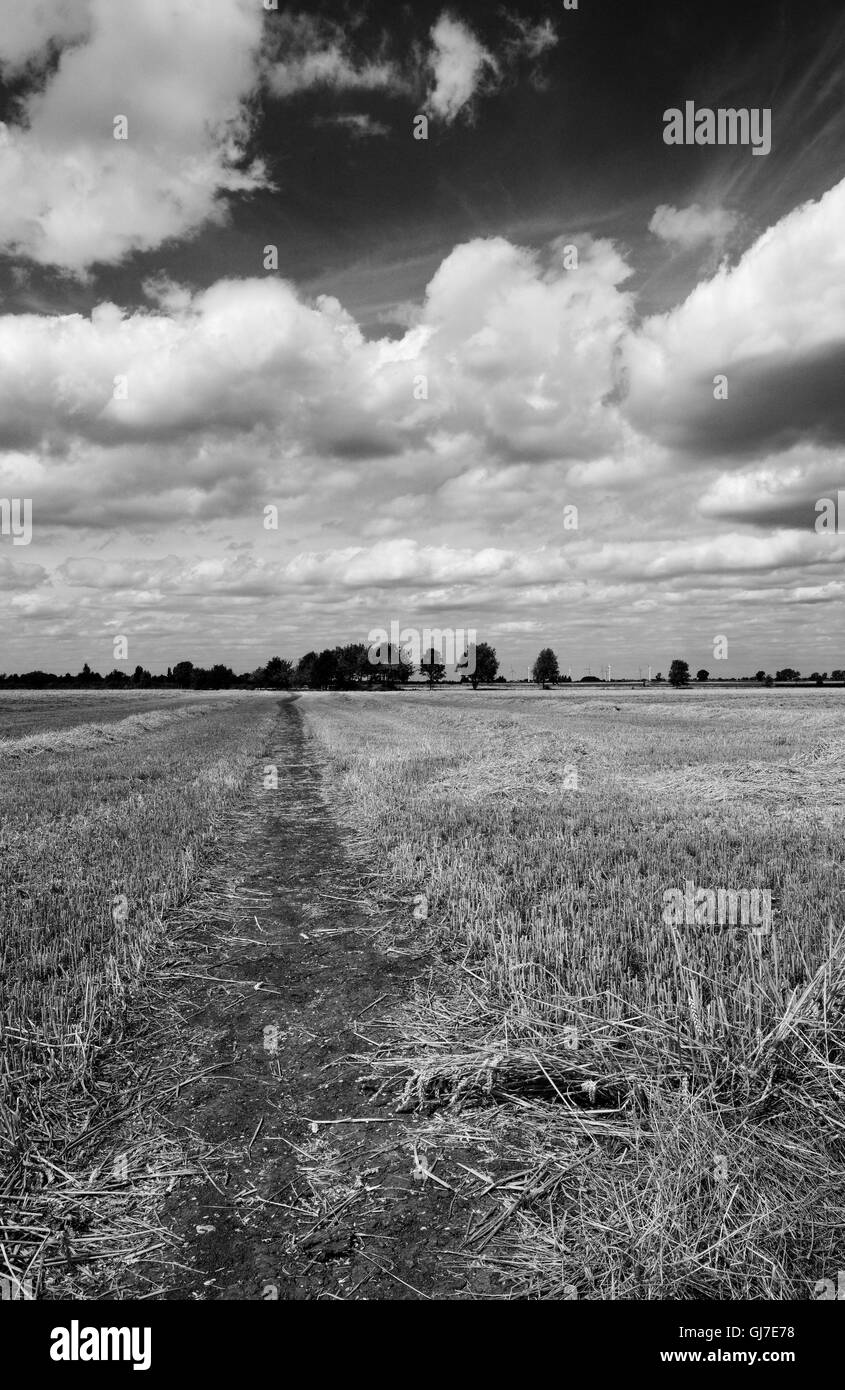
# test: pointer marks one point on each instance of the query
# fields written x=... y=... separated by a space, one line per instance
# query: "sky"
x=317 y=318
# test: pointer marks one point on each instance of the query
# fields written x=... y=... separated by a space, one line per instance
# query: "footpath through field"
x=276 y=984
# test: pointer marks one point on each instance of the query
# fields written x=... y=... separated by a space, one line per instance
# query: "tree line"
x=350 y=668
x=335 y=668
x=546 y=671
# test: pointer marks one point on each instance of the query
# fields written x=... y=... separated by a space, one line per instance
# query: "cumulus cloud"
x=781 y=490
x=429 y=472
x=29 y=33
x=230 y=357
x=510 y=348
x=72 y=195
x=692 y=226
x=773 y=324
x=522 y=349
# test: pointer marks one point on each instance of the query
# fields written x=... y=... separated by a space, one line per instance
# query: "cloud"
x=29 y=33
x=773 y=324
x=458 y=63
x=150 y=582
x=692 y=226
x=21 y=575
x=317 y=53
x=195 y=600
x=72 y=195
x=531 y=40
x=781 y=490
x=230 y=358
x=510 y=350
x=306 y=53
x=359 y=125
x=521 y=350
x=421 y=571
x=427 y=473
x=403 y=562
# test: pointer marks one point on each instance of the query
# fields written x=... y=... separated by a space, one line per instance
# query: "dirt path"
x=293 y=1209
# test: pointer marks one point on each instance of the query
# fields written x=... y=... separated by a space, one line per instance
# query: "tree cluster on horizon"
x=546 y=671
x=349 y=667
x=334 y=668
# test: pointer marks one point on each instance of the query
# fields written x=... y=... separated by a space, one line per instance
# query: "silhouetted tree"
x=545 y=668
x=278 y=673
x=323 y=670
x=182 y=672
x=484 y=661
x=352 y=665
x=304 y=668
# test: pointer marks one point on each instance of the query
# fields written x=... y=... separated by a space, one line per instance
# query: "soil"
x=277 y=983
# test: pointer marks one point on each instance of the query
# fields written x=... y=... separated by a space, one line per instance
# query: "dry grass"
x=676 y=1093
x=101 y=829
x=24 y=712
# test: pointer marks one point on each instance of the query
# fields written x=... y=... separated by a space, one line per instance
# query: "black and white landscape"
x=422 y=660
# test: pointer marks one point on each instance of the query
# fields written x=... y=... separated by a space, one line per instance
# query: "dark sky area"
x=578 y=149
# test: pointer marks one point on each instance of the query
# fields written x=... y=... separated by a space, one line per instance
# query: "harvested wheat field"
x=399 y=996
x=103 y=826
x=666 y=1097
